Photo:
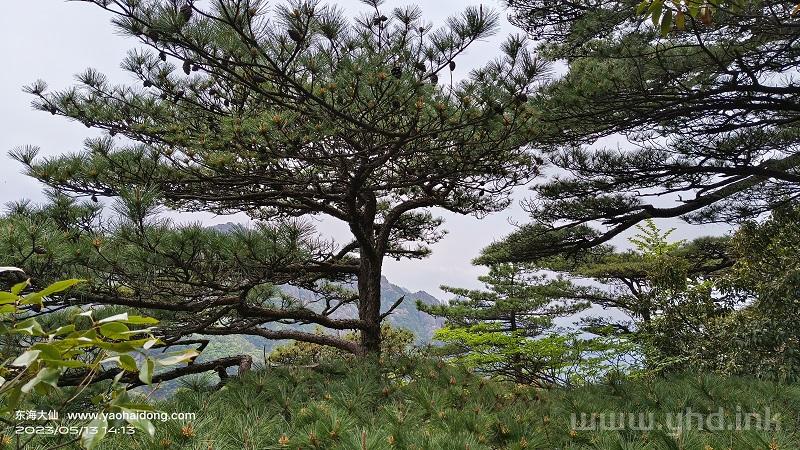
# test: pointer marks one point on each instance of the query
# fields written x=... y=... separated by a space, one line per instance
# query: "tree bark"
x=519 y=377
x=369 y=302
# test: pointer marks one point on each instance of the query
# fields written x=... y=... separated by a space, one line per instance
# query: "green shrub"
x=409 y=403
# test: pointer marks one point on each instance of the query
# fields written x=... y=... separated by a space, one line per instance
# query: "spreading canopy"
x=703 y=103
x=295 y=111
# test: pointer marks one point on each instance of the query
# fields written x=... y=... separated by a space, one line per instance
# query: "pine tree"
x=508 y=329
x=641 y=281
x=293 y=111
x=699 y=90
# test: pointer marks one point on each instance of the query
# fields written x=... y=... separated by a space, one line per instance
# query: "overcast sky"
x=55 y=39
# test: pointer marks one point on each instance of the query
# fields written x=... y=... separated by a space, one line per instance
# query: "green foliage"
x=726 y=304
x=762 y=336
x=79 y=352
x=666 y=78
x=664 y=13
x=293 y=110
x=552 y=359
x=650 y=240
x=421 y=404
x=741 y=320
x=508 y=330
x=667 y=290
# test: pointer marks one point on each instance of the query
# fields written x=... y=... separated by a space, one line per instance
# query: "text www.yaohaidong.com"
x=160 y=416
x=53 y=423
x=154 y=416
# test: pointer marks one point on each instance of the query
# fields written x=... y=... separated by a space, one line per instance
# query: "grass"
x=431 y=405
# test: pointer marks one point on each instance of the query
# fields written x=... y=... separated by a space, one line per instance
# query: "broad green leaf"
x=138 y=343
x=146 y=370
x=48 y=375
x=655 y=11
x=32 y=299
x=26 y=359
x=666 y=23
x=94 y=432
x=140 y=320
x=126 y=362
x=114 y=330
x=17 y=288
x=48 y=351
x=117 y=317
x=134 y=418
x=69 y=363
x=179 y=358
x=29 y=326
x=150 y=343
x=7 y=297
x=66 y=329
x=118 y=347
x=680 y=20
x=12 y=397
x=59 y=286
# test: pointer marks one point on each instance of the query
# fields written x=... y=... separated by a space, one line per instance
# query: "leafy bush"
x=75 y=354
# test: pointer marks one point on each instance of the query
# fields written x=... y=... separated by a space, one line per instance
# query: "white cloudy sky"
x=55 y=39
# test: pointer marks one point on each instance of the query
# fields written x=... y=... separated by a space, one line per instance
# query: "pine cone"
x=295 y=35
x=153 y=35
x=186 y=11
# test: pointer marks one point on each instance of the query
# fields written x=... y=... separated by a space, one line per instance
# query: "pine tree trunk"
x=516 y=359
x=369 y=303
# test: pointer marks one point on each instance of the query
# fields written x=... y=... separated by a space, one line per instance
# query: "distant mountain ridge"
x=406 y=315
